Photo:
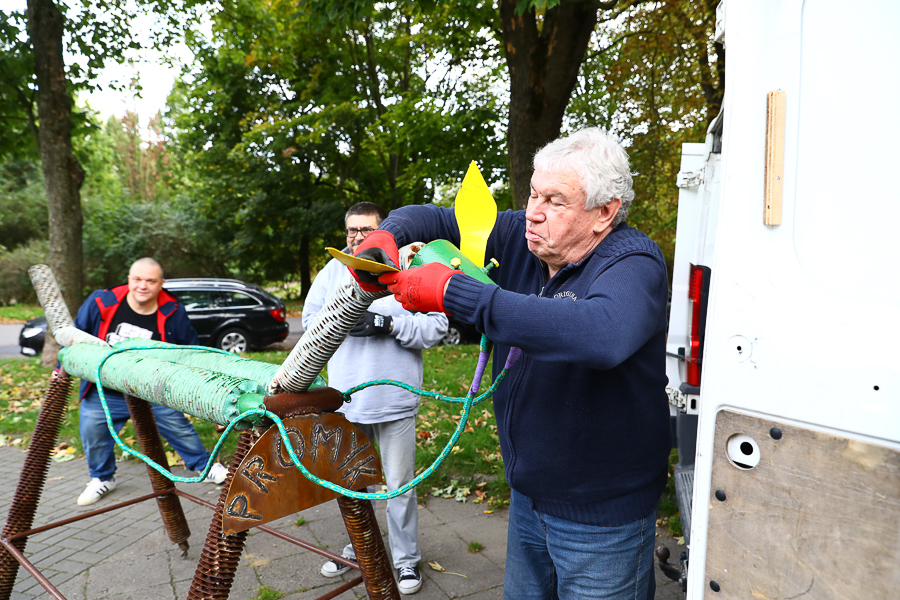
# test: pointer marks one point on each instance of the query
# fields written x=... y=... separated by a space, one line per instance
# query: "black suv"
x=227 y=314
x=230 y=314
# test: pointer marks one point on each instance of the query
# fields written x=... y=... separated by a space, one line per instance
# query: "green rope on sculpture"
x=468 y=402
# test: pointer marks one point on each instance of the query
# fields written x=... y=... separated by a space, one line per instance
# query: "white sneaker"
x=335 y=569
x=95 y=490
x=217 y=474
x=409 y=580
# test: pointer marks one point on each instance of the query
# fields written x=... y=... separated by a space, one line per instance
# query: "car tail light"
x=277 y=314
x=698 y=293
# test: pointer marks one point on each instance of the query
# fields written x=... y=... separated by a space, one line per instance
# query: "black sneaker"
x=335 y=569
x=409 y=580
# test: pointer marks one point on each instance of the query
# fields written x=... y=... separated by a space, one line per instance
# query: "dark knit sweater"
x=583 y=416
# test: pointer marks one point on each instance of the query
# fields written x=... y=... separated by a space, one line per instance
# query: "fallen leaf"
x=437 y=567
x=680 y=541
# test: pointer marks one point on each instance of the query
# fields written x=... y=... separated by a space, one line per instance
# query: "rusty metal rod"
x=280 y=535
x=22 y=509
x=341 y=589
x=170 y=510
x=17 y=554
x=92 y=513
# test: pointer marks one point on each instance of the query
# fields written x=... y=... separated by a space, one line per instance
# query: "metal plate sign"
x=267 y=485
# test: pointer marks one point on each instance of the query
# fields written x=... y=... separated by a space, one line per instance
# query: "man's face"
x=559 y=230
x=359 y=226
x=144 y=284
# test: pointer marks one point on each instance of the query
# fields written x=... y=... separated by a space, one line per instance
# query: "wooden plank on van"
x=774 y=175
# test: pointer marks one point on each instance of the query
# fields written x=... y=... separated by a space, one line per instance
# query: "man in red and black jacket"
x=139 y=309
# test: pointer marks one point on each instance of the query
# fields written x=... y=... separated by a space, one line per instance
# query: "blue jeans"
x=98 y=443
x=552 y=558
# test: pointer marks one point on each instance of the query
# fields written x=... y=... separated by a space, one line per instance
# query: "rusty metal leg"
x=221 y=554
x=170 y=505
x=34 y=474
x=359 y=517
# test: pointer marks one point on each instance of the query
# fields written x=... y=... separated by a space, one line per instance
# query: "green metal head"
x=445 y=253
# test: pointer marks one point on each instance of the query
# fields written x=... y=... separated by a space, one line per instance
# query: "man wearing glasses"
x=139 y=309
x=387 y=343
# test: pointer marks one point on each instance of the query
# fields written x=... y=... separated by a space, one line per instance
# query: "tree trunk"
x=543 y=65
x=63 y=174
x=305 y=280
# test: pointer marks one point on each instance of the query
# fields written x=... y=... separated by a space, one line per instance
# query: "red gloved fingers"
x=379 y=246
x=420 y=288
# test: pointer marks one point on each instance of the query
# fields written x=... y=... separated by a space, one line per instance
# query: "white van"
x=784 y=334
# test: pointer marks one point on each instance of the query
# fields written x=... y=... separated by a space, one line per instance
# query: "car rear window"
x=193 y=299
x=234 y=299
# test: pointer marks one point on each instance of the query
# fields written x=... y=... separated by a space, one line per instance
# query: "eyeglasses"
x=138 y=280
x=353 y=231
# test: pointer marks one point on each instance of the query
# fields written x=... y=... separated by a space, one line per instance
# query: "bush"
x=15 y=285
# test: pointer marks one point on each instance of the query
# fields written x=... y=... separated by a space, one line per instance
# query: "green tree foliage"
x=23 y=205
x=655 y=78
x=131 y=208
x=289 y=121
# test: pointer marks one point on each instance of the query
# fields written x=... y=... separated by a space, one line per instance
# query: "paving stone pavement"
x=126 y=554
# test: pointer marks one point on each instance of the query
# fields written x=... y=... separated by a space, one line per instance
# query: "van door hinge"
x=688 y=179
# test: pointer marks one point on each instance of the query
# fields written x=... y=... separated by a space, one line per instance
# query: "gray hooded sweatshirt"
x=359 y=359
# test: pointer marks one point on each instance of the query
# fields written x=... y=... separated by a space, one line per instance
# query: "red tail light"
x=277 y=314
x=697 y=292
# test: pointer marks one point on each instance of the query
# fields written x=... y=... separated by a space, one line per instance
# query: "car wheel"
x=452 y=337
x=233 y=340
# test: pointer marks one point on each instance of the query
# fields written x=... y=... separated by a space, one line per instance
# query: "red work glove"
x=379 y=246
x=420 y=288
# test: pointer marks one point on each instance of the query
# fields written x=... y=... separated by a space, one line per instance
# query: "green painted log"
x=215 y=397
x=232 y=364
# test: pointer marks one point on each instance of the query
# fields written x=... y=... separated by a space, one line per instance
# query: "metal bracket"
x=688 y=179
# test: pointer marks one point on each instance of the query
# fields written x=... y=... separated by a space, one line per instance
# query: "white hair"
x=599 y=160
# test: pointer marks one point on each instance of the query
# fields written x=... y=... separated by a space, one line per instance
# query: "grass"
x=294 y=308
x=19 y=313
x=475 y=547
x=267 y=593
x=668 y=515
x=23 y=382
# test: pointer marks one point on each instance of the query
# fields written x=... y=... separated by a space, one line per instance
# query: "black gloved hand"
x=372 y=324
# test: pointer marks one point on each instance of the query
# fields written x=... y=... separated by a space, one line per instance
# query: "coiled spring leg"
x=359 y=518
x=340 y=313
x=221 y=554
x=170 y=505
x=33 y=476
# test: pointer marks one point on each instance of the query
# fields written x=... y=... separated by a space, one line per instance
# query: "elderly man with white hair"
x=583 y=415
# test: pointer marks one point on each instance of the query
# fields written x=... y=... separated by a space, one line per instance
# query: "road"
x=9 y=338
